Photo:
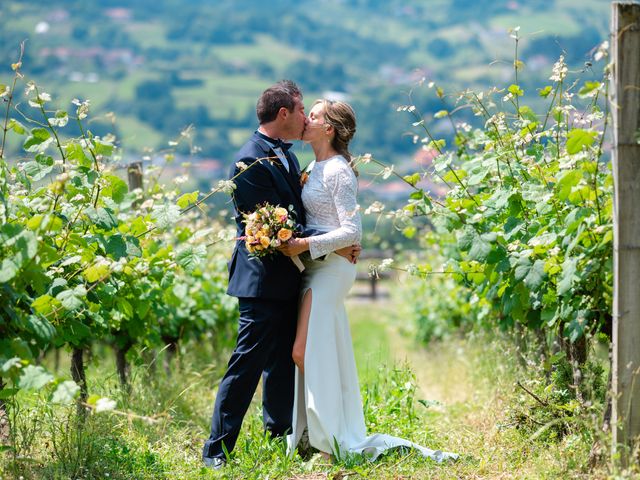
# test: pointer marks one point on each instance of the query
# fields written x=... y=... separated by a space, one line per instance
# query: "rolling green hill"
x=161 y=65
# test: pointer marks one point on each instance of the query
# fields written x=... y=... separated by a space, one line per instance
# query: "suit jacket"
x=273 y=276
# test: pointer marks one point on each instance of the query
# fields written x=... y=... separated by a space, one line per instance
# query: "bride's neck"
x=323 y=150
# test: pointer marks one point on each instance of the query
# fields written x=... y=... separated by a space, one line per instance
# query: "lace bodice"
x=330 y=202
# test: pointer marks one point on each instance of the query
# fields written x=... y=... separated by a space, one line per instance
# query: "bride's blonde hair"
x=342 y=118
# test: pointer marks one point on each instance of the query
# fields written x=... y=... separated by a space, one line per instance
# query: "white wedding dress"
x=327 y=397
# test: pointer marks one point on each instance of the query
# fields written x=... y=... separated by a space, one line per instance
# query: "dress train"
x=327 y=396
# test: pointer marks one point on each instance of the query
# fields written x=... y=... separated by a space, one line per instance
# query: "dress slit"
x=327 y=396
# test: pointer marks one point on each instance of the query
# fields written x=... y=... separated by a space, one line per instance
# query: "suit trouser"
x=265 y=339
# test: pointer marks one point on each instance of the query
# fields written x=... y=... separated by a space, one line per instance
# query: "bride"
x=327 y=394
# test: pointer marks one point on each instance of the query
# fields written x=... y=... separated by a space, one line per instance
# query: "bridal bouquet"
x=266 y=229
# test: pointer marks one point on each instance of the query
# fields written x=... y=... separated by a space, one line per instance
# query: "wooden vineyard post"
x=625 y=103
x=134 y=174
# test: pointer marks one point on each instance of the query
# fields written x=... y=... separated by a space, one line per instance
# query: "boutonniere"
x=304 y=175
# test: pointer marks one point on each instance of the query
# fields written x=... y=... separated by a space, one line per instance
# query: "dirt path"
x=441 y=370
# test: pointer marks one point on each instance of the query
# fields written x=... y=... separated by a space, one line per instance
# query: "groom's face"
x=296 y=121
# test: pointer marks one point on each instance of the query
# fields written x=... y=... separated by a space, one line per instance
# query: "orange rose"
x=264 y=241
x=284 y=234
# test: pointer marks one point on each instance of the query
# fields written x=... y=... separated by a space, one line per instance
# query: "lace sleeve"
x=343 y=187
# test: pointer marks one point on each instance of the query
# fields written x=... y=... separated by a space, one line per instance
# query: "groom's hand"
x=351 y=253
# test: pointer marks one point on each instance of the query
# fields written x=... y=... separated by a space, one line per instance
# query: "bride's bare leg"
x=300 y=343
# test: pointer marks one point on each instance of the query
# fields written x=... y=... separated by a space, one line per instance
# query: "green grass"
x=238 y=136
x=22 y=18
x=224 y=96
x=395 y=30
x=370 y=338
x=265 y=50
x=148 y=34
x=136 y=135
x=100 y=92
x=459 y=395
x=126 y=87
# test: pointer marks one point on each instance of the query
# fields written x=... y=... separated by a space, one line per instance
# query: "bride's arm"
x=343 y=187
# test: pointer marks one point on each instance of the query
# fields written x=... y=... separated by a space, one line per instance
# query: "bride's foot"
x=326 y=456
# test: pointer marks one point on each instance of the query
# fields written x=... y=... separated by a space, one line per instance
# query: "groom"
x=267 y=288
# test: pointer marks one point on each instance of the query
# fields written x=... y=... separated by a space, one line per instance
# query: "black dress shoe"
x=215 y=463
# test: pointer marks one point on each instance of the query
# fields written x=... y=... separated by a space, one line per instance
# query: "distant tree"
x=80 y=32
x=318 y=76
x=153 y=89
x=175 y=79
x=165 y=53
x=112 y=35
x=159 y=113
x=42 y=65
x=440 y=48
x=198 y=115
x=263 y=69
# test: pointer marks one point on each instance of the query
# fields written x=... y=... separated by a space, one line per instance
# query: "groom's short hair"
x=281 y=94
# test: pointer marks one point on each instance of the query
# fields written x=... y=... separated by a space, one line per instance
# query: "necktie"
x=281 y=147
x=284 y=146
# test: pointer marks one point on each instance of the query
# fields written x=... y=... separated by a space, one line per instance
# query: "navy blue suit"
x=276 y=276
x=267 y=289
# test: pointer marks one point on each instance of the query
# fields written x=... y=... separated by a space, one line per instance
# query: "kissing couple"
x=293 y=329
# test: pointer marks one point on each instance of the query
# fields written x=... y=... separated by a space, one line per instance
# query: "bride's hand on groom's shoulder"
x=294 y=246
